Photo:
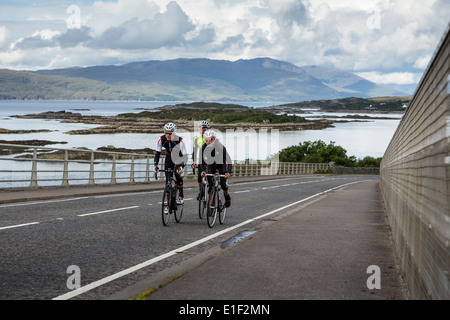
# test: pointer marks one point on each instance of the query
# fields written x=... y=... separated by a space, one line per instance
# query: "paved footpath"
x=321 y=250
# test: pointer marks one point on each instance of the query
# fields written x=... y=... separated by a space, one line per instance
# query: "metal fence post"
x=91 y=169
x=132 y=170
x=65 y=179
x=113 y=170
x=33 y=182
x=161 y=173
x=147 y=170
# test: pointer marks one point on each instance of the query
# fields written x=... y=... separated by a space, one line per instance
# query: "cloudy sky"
x=386 y=41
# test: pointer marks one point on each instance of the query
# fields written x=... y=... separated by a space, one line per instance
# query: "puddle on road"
x=238 y=237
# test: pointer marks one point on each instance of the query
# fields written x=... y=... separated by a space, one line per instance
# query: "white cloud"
x=304 y=32
x=390 y=78
x=45 y=34
x=4 y=35
x=168 y=28
x=422 y=62
x=102 y=16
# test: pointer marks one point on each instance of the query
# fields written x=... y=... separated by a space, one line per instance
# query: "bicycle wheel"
x=222 y=209
x=165 y=207
x=211 y=212
x=178 y=210
x=202 y=203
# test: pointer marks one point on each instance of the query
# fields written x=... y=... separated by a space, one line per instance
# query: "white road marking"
x=19 y=225
x=106 y=211
x=39 y=202
x=243 y=191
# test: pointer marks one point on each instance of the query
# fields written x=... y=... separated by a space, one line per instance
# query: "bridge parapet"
x=415 y=184
x=24 y=166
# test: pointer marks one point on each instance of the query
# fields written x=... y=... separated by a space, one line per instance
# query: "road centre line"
x=79 y=215
x=106 y=211
x=39 y=202
x=132 y=193
x=124 y=194
x=147 y=263
x=127 y=208
x=19 y=225
x=272 y=187
x=135 y=193
x=243 y=191
x=277 y=186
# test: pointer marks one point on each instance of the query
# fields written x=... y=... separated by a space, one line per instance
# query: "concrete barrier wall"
x=414 y=181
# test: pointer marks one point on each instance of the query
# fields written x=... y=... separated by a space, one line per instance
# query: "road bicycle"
x=169 y=200
x=216 y=201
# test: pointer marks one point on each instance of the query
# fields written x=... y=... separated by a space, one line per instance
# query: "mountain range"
x=261 y=79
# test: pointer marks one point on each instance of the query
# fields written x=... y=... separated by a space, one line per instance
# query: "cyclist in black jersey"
x=176 y=155
x=216 y=158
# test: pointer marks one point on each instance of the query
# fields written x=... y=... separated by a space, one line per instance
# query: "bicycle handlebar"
x=213 y=175
x=167 y=171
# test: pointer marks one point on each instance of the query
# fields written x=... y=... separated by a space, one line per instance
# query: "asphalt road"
x=118 y=240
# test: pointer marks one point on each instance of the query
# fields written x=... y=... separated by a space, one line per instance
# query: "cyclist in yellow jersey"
x=199 y=141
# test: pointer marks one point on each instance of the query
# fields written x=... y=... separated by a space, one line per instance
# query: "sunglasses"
x=169 y=133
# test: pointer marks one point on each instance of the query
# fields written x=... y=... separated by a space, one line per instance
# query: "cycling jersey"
x=175 y=151
x=216 y=156
x=199 y=141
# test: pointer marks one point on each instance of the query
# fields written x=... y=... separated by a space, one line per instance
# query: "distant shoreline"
x=114 y=124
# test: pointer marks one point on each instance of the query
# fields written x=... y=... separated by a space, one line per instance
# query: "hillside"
x=383 y=104
x=347 y=82
x=261 y=79
x=28 y=85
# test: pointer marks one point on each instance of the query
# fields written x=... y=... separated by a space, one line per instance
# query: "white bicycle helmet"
x=209 y=135
x=204 y=124
x=170 y=127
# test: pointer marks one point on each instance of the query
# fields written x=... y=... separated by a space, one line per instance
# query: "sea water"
x=360 y=139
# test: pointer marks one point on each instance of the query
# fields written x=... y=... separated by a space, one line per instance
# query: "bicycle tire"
x=202 y=203
x=165 y=212
x=202 y=208
x=178 y=210
x=222 y=209
x=211 y=213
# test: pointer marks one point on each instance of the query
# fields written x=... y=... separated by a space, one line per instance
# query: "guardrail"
x=35 y=166
x=415 y=182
